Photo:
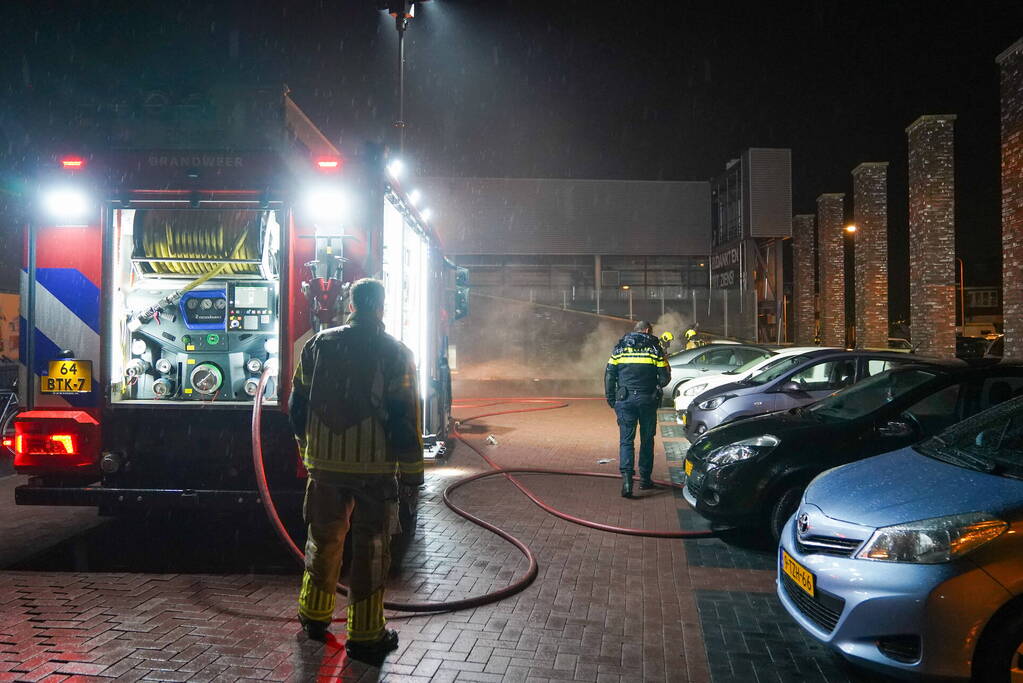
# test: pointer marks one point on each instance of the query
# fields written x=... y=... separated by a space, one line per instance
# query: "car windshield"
x=870 y=395
x=991 y=441
x=775 y=369
x=743 y=369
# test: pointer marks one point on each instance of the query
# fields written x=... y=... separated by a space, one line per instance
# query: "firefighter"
x=691 y=341
x=355 y=412
x=666 y=339
x=633 y=381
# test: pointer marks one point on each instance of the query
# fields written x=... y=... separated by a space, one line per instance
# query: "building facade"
x=751 y=224
x=623 y=248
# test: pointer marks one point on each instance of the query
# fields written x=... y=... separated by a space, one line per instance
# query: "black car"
x=752 y=472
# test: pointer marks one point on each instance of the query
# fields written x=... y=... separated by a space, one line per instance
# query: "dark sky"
x=568 y=89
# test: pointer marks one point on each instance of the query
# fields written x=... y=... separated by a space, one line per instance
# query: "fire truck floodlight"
x=327 y=205
x=66 y=205
x=395 y=168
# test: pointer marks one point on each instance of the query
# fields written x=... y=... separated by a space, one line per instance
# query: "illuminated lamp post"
x=402 y=11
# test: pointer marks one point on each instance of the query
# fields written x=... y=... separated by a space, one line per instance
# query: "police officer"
x=355 y=412
x=635 y=374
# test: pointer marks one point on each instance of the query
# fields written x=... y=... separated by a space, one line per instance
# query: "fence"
x=728 y=312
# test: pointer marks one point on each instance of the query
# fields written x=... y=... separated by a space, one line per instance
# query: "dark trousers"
x=331 y=511
x=636 y=408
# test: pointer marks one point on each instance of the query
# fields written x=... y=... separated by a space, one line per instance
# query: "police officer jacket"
x=637 y=363
x=355 y=405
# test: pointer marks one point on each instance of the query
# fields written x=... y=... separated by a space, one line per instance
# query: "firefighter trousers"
x=332 y=510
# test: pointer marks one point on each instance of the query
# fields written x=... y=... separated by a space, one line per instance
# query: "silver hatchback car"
x=911 y=562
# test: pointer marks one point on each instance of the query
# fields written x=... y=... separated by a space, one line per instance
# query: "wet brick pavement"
x=604 y=607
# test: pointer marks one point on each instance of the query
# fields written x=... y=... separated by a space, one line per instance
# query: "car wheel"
x=783 y=508
x=999 y=656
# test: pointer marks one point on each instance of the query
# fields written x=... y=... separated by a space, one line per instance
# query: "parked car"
x=796 y=381
x=912 y=562
x=753 y=472
x=971 y=347
x=899 y=344
x=689 y=389
x=710 y=359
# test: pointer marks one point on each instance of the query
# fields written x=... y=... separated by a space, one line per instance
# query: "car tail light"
x=50 y=441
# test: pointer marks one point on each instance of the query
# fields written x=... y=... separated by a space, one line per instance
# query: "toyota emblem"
x=803 y=523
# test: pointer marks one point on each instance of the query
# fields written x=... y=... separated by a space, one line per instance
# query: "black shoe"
x=626 y=487
x=646 y=484
x=314 y=630
x=373 y=651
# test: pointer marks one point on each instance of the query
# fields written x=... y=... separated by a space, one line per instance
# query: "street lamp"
x=962 y=294
x=628 y=289
x=402 y=11
x=851 y=228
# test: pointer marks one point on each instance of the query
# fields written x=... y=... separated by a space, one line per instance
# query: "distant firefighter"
x=633 y=381
x=691 y=341
x=355 y=412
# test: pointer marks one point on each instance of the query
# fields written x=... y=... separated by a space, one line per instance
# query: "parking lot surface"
x=213 y=599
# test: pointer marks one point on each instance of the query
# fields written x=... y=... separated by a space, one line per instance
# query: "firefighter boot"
x=373 y=651
x=626 y=487
x=314 y=630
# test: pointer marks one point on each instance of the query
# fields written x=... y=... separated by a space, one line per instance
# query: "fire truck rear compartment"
x=195 y=312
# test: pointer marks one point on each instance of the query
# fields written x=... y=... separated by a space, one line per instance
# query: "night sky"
x=662 y=91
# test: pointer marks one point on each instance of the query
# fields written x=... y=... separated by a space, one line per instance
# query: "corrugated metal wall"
x=551 y=216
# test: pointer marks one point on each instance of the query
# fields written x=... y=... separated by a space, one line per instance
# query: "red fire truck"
x=199 y=240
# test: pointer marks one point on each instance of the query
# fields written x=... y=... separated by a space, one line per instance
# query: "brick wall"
x=870 y=213
x=830 y=229
x=932 y=235
x=804 y=278
x=1011 y=62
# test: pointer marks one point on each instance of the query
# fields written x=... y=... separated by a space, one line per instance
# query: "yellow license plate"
x=689 y=467
x=67 y=377
x=685 y=419
x=802 y=577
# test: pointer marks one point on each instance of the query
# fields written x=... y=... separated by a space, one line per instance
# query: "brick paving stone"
x=750 y=637
x=603 y=608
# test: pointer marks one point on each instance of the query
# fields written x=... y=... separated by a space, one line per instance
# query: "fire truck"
x=195 y=242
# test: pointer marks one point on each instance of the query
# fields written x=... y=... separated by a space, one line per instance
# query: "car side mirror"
x=896 y=429
x=790 y=388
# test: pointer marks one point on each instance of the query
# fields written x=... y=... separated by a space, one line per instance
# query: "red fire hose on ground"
x=530 y=574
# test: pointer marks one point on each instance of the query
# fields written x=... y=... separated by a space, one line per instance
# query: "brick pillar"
x=1011 y=62
x=830 y=217
x=804 y=279
x=870 y=213
x=932 y=245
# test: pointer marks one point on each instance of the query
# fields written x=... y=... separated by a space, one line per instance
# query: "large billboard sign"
x=726 y=267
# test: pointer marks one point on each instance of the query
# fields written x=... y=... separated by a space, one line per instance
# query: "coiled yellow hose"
x=201 y=235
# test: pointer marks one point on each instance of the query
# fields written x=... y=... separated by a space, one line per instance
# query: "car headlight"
x=694 y=390
x=713 y=403
x=932 y=541
x=742 y=450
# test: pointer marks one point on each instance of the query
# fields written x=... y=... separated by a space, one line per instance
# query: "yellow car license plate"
x=685 y=419
x=689 y=467
x=802 y=576
x=68 y=377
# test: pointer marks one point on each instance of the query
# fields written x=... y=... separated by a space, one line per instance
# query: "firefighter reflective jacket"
x=638 y=363
x=355 y=405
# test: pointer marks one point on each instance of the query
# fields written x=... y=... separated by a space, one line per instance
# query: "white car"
x=686 y=391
